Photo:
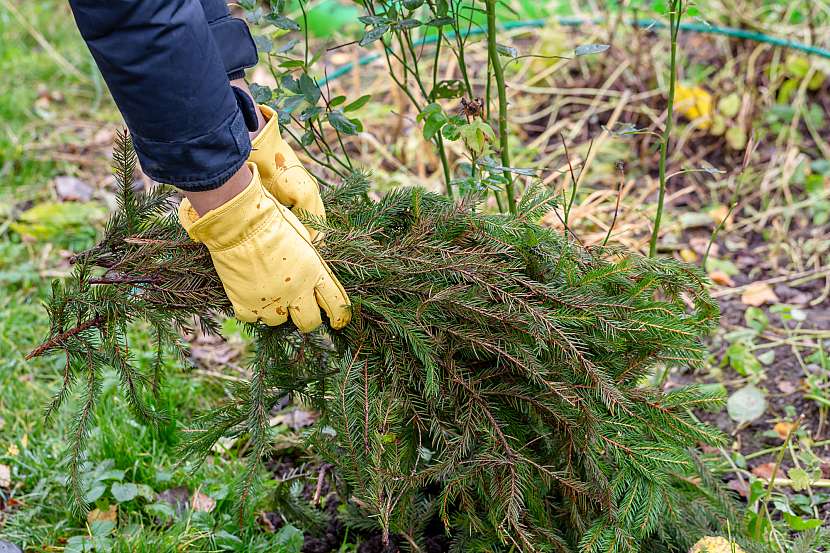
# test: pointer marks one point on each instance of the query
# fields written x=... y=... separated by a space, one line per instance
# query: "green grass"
x=125 y=456
x=122 y=451
x=33 y=69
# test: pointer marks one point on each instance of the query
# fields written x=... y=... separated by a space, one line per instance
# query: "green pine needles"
x=494 y=375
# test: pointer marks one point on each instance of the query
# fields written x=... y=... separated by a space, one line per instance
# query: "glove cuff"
x=269 y=134
x=237 y=220
x=187 y=217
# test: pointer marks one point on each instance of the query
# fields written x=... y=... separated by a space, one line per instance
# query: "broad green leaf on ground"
x=747 y=404
x=124 y=492
x=799 y=524
x=95 y=493
x=291 y=538
x=756 y=318
x=801 y=479
x=52 y=220
x=743 y=360
x=160 y=510
x=729 y=105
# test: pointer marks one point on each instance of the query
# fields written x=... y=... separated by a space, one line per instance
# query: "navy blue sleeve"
x=232 y=36
x=170 y=81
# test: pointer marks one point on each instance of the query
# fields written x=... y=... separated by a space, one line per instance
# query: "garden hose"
x=702 y=28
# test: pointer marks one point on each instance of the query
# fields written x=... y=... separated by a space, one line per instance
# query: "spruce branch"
x=491 y=375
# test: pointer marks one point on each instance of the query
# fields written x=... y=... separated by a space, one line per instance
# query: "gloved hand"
x=282 y=173
x=264 y=257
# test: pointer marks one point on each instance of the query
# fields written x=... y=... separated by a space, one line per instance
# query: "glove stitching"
x=253 y=233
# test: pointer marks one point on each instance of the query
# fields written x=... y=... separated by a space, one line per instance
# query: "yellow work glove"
x=282 y=173
x=264 y=257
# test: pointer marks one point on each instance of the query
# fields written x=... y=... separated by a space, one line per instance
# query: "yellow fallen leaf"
x=5 y=476
x=24 y=441
x=719 y=213
x=783 y=429
x=13 y=451
x=694 y=103
x=96 y=515
x=720 y=278
x=715 y=544
x=688 y=255
x=757 y=294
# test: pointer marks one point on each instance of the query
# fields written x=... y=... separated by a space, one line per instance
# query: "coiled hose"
x=702 y=28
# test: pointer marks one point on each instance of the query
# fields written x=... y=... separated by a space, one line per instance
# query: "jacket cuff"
x=199 y=163
x=236 y=45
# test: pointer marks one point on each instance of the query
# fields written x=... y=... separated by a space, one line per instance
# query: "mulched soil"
x=783 y=379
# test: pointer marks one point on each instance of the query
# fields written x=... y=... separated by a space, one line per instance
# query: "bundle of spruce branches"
x=494 y=374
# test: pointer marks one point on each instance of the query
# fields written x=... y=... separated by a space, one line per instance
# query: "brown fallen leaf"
x=757 y=294
x=214 y=351
x=786 y=387
x=96 y=515
x=764 y=471
x=202 y=502
x=738 y=486
x=783 y=429
x=700 y=245
x=722 y=279
x=72 y=189
x=294 y=418
x=5 y=476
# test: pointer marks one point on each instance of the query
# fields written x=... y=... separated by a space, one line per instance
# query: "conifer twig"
x=63 y=337
x=491 y=374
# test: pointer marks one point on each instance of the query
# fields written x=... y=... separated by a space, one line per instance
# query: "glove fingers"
x=333 y=299
x=298 y=185
x=310 y=207
x=306 y=313
x=271 y=315
x=295 y=223
x=310 y=204
x=300 y=190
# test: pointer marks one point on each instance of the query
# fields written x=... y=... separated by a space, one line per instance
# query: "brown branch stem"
x=60 y=338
